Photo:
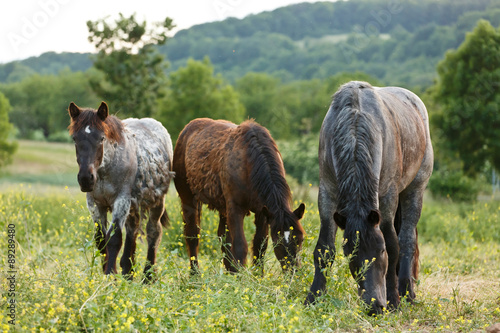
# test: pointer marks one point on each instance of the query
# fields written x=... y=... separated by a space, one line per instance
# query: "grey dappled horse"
x=375 y=159
x=125 y=168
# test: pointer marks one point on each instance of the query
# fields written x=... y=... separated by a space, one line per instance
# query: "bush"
x=454 y=184
x=300 y=157
x=61 y=136
x=37 y=135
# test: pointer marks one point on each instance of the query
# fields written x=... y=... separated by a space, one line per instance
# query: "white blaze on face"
x=87 y=129
x=287 y=236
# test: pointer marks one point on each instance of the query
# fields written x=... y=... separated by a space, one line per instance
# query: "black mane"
x=267 y=174
x=353 y=144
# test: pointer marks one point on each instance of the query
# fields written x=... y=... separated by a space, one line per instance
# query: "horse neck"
x=114 y=151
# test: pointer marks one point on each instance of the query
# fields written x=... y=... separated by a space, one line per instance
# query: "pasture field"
x=58 y=283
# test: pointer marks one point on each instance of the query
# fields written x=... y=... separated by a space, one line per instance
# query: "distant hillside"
x=47 y=63
x=399 y=42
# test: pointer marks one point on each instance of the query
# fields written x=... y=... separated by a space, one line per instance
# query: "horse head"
x=287 y=235
x=365 y=243
x=87 y=129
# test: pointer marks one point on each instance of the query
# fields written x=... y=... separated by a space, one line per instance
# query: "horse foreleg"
x=411 y=207
x=128 y=257
x=239 y=246
x=191 y=210
x=260 y=240
x=100 y=217
x=154 y=231
x=121 y=209
x=324 y=252
x=388 y=209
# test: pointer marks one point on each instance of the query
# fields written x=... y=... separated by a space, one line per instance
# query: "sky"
x=32 y=27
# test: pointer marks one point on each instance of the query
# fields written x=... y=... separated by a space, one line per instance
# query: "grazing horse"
x=375 y=159
x=125 y=168
x=236 y=170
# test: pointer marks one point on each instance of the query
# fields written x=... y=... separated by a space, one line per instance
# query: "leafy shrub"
x=453 y=184
x=61 y=136
x=37 y=135
x=300 y=157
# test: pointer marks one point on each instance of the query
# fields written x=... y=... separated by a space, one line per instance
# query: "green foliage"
x=195 y=92
x=460 y=224
x=7 y=148
x=40 y=102
x=291 y=109
x=453 y=184
x=467 y=91
x=132 y=69
x=400 y=43
x=300 y=157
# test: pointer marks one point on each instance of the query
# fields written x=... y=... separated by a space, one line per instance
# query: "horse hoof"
x=310 y=299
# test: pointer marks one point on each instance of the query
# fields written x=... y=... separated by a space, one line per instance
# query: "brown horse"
x=375 y=159
x=236 y=170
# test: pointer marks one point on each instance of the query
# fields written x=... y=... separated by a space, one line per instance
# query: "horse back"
x=407 y=137
x=199 y=155
x=398 y=137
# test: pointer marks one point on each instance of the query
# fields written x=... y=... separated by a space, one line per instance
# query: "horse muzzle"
x=87 y=180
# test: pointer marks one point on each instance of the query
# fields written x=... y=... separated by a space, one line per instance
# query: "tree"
x=39 y=102
x=257 y=92
x=7 y=148
x=467 y=91
x=132 y=69
x=195 y=92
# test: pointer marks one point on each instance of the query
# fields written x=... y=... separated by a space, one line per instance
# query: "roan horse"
x=125 y=168
x=375 y=158
x=235 y=170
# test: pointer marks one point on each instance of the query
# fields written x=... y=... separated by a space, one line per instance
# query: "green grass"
x=60 y=285
x=42 y=163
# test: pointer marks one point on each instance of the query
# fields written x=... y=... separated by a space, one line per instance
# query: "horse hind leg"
x=164 y=219
x=191 y=210
x=127 y=261
x=154 y=233
x=260 y=240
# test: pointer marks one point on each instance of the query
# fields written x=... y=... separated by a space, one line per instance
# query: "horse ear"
x=73 y=110
x=299 y=212
x=373 y=218
x=340 y=220
x=266 y=212
x=102 y=112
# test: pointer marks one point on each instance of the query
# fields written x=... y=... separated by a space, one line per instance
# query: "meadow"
x=59 y=285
